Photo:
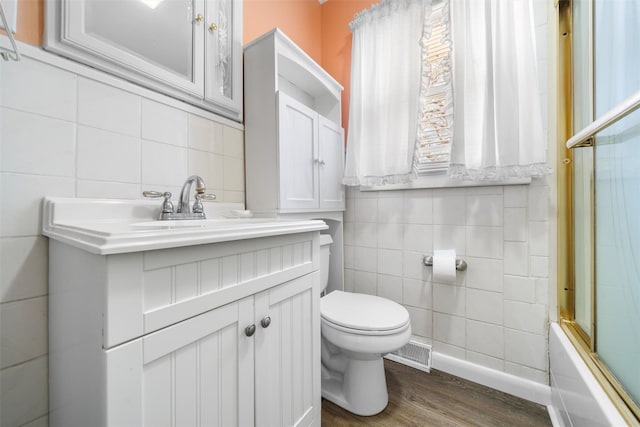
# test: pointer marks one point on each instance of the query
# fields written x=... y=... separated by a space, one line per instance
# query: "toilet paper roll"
x=444 y=266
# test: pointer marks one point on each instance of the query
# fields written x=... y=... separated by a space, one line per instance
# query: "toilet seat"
x=364 y=333
x=363 y=314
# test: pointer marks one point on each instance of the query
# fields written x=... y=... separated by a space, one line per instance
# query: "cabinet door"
x=331 y=170
x=288 y=354
x=223 y=53
x=298 y=154
x=197 y=372
x=156 y=39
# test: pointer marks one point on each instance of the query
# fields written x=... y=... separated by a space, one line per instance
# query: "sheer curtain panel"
x=385 y=86
x=498 y=130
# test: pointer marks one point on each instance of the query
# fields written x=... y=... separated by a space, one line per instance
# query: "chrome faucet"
x=183 y=211
x=183 y=207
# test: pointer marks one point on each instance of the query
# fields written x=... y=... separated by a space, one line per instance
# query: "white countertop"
x=106 y=227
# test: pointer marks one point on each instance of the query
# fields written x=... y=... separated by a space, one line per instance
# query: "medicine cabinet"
x=187 y=49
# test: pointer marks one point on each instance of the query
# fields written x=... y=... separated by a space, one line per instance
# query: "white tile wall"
x=23 y=268
x=496 y=314
x=99 y=151
x=66 y=135
x=29 y=316
x=390 y=287
x=24 y=392
x=32 y=155
x=109 y=108
x=449 y=329
x=162 y=123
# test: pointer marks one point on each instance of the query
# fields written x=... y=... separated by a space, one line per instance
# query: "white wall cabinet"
x=331 y=162
x=293 y=138
x=160 y=337
x=311 y=151
x=188 y=49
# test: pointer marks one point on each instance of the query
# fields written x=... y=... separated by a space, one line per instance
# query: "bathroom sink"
x=118 y=226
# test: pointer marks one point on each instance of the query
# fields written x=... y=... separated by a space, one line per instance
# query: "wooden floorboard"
x=418 y=398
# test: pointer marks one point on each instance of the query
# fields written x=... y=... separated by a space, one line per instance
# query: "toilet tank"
x=325 y=254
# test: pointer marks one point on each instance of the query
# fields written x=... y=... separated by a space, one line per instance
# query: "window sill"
x=443 y=181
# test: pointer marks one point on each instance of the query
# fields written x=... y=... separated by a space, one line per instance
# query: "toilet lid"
x=362 y=311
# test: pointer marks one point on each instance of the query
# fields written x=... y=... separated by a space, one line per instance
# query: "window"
x=435 y=127
x=497 y=135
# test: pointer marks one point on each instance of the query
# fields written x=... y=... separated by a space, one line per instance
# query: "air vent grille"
x=414 y=354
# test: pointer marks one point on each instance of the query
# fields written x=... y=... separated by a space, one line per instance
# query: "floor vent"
x=414 y=354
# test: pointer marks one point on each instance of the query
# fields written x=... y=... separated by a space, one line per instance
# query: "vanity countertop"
x=106 y=227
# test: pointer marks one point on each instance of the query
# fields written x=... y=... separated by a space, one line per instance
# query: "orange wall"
x=321 y=31
x=30 y=21
x=301 y=20
x=336 y=44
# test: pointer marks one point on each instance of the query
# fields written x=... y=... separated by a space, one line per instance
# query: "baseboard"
x=555 y=417
x=498 y=380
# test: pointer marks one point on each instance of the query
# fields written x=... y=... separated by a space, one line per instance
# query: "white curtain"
x=383 y=108
x=498 y=130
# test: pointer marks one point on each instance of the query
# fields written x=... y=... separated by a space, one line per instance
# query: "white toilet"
x=357 y=331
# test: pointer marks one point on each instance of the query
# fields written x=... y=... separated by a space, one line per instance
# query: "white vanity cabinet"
x=219 y=334
x=189 y=49
x=294 y=142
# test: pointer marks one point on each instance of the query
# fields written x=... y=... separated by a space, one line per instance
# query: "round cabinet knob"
x=265 y=322
x=213 y=27
x=199 y=17
x=250 y=330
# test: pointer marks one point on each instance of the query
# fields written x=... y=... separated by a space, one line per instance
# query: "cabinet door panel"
x=156 y=38
x=203 y=378
x=298 y=134
x=331 y=170
x=223 y=46
x=287 y=386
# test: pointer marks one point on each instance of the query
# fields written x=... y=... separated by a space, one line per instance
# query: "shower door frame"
x=585 y=342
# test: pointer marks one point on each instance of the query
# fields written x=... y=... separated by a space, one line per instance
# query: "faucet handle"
x=167 y=205
x=197 y=205
x=152 y=194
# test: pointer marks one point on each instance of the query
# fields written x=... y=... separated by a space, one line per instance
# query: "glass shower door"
x=617 y=194
x=617 y=251
x=603 y=313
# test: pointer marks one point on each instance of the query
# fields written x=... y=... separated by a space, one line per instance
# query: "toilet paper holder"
x=461 y=265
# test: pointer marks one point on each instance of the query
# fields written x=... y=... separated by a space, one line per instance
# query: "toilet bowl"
x=357 y=331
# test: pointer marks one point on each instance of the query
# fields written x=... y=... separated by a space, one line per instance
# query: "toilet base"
x=361 y=389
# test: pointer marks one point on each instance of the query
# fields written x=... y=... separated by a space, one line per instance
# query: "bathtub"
x=577 y=399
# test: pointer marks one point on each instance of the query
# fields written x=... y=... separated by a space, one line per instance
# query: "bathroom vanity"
x=209 y=322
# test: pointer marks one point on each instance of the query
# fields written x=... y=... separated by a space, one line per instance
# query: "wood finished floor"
x=418 y=398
